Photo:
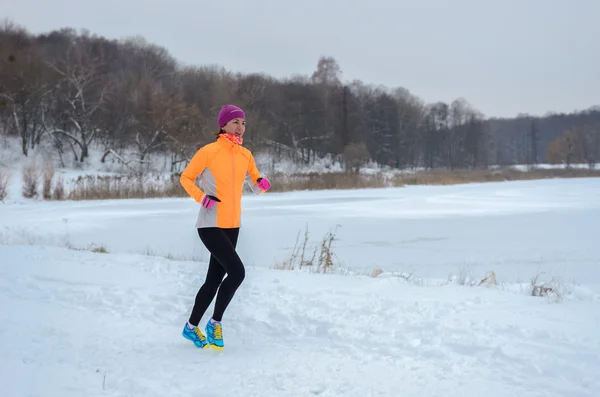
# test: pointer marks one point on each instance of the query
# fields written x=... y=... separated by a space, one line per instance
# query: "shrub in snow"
x=31 y=176
x=48 y=176
x=553 y=289
x=4 y=178
x=100 y=187
x=321 y=259
x=356 y=156
x=59 y=190
x=465 y=278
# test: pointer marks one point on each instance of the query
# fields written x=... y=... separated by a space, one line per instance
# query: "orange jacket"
x=223 y=168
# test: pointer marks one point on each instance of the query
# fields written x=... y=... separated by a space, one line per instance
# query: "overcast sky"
x=504 y=56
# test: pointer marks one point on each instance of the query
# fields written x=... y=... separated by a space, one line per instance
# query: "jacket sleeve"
x=191 y=172
x=252 y=176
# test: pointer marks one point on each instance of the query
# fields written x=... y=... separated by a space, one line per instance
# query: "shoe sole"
x=212 y=344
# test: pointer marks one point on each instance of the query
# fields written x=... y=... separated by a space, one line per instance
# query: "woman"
x=223 y=167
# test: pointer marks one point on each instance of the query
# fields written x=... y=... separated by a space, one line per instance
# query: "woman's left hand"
x=264 y=184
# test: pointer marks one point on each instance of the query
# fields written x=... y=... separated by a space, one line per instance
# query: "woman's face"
x=236 y=127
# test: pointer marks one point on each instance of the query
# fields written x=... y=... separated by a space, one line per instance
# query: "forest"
x=132 y=99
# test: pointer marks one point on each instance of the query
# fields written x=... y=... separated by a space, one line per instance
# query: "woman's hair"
x=219 y=132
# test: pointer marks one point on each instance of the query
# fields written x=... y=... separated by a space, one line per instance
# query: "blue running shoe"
x=195 y=335
x=214 y=335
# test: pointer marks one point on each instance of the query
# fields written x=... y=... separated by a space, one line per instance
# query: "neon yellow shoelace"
x=218 y=332
x=199 y=333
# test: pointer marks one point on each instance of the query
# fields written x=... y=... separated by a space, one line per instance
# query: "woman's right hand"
x=209 y=201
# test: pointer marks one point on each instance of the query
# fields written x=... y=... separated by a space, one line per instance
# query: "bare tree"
x=159 y=116
x=409 y=117
x=476 y=152
x=356 y=155
x=566 y=149
x=23 y=88
x=533 y=143
x=437 y=146
x=328 y=72
x=81 y=92
x=589 y=138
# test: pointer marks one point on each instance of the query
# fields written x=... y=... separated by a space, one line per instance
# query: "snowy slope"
x=108 y=325
x=97 y=324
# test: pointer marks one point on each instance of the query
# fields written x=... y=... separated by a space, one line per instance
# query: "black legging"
x=223 y=259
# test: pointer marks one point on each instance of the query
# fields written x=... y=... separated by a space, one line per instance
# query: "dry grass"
x=31 y=176
x=98 y=248
x=325 y=263
x=298 y=257
x=448 y=177
x=101 y=249
x=376 y=272
x=465 y=278
x=4 y=179
x=326 y=181
x=93 y=187
x=553 y=289
x=321 y=259
x=410 y=278
x=48 y=176
x=59 y=190
x=346 y=180
x=489 y=279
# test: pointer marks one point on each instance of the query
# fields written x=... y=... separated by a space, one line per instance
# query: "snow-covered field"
x=78 y=323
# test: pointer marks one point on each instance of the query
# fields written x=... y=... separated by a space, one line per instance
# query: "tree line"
x=75 y=89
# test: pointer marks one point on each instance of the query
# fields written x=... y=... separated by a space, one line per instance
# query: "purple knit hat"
x=228 y=113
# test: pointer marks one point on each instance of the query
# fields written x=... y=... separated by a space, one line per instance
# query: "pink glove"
x=209 y=201
x=264 y=184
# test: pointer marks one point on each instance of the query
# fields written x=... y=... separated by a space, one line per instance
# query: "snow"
x=75 y=322
x=109 y=325
x=516 y=229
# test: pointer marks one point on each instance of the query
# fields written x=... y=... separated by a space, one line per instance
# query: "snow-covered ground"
x=516 y=229
x=79 y=323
